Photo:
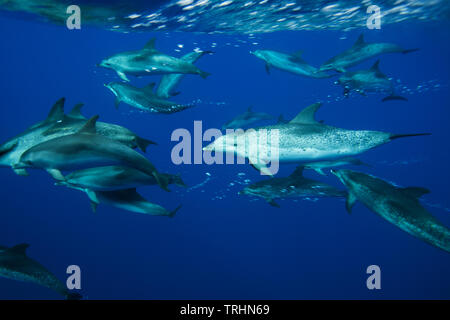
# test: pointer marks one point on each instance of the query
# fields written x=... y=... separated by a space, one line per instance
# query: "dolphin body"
x=399 y=206
x=293 y=186
x=245 y=119
x=85 y=148
x=112 y=178
x=371 y=80
x=16 y=265
x=303 y=139
x=149 y=61
x=320 y=165
x=360 y=52
x=143 y=98
x=292 y=63
x=58 y=124
x=170 y=81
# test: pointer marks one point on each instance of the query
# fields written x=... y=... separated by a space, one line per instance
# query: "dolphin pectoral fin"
x=273 y=203
x=261 y=168
x=267 y=68
x=21 y=172
x=143 y=143
x=56 y=174
x=94 y=206
x=394 y=97
x=117 y=102
x=173 y=94
x=93 y=199
x=340 y=69
x=410 y=50
x=162 y=181
x=351 y=199
x=173 y=212
x=122 y=76
x=319 y=171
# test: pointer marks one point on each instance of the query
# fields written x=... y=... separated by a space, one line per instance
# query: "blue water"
x=221 y=245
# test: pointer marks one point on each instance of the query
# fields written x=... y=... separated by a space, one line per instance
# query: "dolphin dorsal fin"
x=249 y=109
x=376 y=66
x=360 y=41
x=280 y=119
x=298 y=172
x=150 y=45
x=19 y=249
x=298 y=54
x=89 y=126
x=150 y=87
x=415 y=192
x=57 y=111
x=76 y=112
x=307 y=115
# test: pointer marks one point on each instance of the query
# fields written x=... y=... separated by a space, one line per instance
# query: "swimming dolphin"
x=74 y=120
x=318 y=166
x=292 y=63
x=293 y=186
x=170 y=81
x=245 y=119
x=16 y=265
x=111 y=178
x=143 y=98
x=360 y=52
x=371 y=80
x=399 y=206
x=148 y=61
x=303 y=139
x=85 y=149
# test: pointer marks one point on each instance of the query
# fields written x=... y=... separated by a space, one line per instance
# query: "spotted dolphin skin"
x=85 y=149
x=360 y=52
x=170 y=81
x=293 y=186
x=149 y=61
x=16 y=265
x=399 y=206
x=371 y=80
x=292 y=63
x=143 y=98
x=301 y=140
x=245 y=119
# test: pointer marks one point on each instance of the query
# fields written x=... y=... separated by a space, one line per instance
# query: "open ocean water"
x=221 y=245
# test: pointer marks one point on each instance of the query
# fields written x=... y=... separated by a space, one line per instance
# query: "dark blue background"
x=230 y=248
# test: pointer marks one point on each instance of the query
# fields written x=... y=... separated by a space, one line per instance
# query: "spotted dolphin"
x=16 y=265
x=318 y=166
x=293 y=186
x=245 y=119
x=399 y=206
x=148 y=61
x=360 y=52
x=303 y=139
x=292 y=63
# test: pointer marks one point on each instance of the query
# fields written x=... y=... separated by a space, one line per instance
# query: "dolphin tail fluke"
x=162 y=181
x=73 y=296
x=178 y=181
x=410 y=50
x=273 y=203
x=394 y=97
x=397 y=136
x=143 y=143
x=173 y=212
x=173 y=94
x=204 y=74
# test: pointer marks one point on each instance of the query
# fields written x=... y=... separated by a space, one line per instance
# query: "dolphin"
x=148 y=61
x=303 y=139
x=74 y=120
x=245 y=119
x=143 y=98
x=85 y=148
x=170 y=81
x=318 y=166
x=371 y=80
x=399 y=206
x=360 y=52
x=16 y=265
x=111 y=178
x=293 y=186
x=292 y=63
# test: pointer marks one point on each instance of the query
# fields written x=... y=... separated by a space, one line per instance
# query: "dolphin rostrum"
x=16 y=265
x=318 y=166
x=143 y=98
x=245 y=119
x=303 y=139
x=85 y=148
x=111 y=178
x=170 y=81
x=292 y=63
x=371 y=80
x=293 y=186
x=149 y=61
x=399 y=206
x=360 y=52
